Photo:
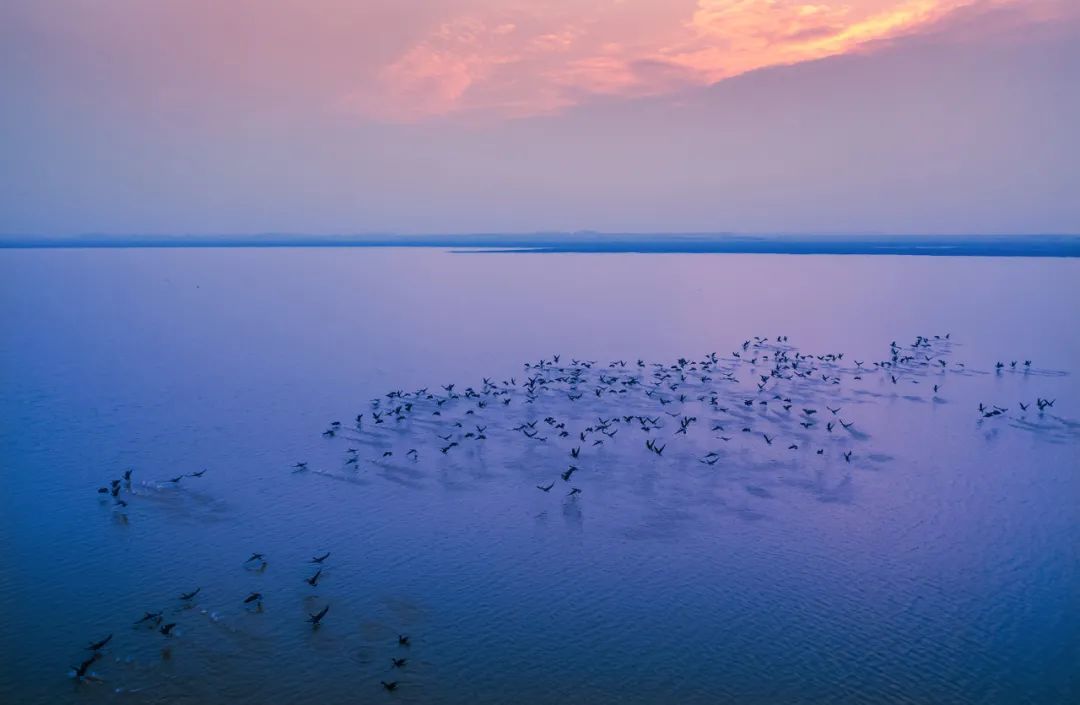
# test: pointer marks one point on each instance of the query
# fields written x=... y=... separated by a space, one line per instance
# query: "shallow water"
x=939 y=565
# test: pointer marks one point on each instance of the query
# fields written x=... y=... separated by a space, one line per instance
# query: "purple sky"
x=329 y=116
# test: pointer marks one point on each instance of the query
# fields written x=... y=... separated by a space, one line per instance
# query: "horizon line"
x=588 y=241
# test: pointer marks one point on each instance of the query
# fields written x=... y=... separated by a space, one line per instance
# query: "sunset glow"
x=924 y=116
x=519 y=59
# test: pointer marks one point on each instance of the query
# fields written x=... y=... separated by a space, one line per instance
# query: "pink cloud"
x=396 y=61
x=501 y=59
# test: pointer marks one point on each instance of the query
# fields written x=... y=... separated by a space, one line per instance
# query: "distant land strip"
x=590 y=242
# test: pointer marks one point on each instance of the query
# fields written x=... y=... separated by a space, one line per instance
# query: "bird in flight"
x=97 y=645
x=316 y=618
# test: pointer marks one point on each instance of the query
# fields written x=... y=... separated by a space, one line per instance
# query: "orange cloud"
x=510 y=59
x=735 y=36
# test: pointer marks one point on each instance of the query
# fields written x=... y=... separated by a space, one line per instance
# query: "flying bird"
x=317 y=617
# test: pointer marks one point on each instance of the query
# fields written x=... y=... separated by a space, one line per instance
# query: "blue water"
x=939 y=565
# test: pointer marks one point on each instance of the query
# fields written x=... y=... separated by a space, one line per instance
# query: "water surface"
x=939 y=567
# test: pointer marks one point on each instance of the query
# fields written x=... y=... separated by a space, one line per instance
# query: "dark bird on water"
x=573 y=491
x=190 y=595
x=403 y=639
x=166 y=629
x=100 y=644
x=391 y=686
x=546 y=489
x=399 y=662
x=320 y=559
x=317 y=617
x=149 y=617
x=83 y=668
x=253 y=597
x=314 y=580
x=197 y=474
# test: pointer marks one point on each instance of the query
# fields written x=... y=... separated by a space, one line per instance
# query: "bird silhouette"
x=95 y=646
x=83 y=668
x=316 y=618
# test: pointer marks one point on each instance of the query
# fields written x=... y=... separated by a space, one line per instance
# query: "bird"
x=94 y=646
x=320 y=559
x=403 y=640
x=316 y=618
x=149 y=617
x=189 y=595
x=83 y=668
x=573 y=491
x=391 y=686
x=255 y=597
x=547 y=488
x=197 y=474
x=566 y=475
x=313 y=580
x=166 y=629
x=255 y=557
x=398 y=662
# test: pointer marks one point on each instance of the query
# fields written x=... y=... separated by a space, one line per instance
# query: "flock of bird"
x=790 y=402
x=764 y=397
x=157 y=621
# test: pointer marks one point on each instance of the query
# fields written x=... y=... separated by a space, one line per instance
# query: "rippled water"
x=939 y=565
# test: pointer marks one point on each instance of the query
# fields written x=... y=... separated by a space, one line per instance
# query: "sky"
x=451 y=116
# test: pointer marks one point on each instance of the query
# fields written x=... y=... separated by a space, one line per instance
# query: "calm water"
x=939 y=565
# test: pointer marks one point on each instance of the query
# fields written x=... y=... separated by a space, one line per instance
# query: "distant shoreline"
x=595 y=243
